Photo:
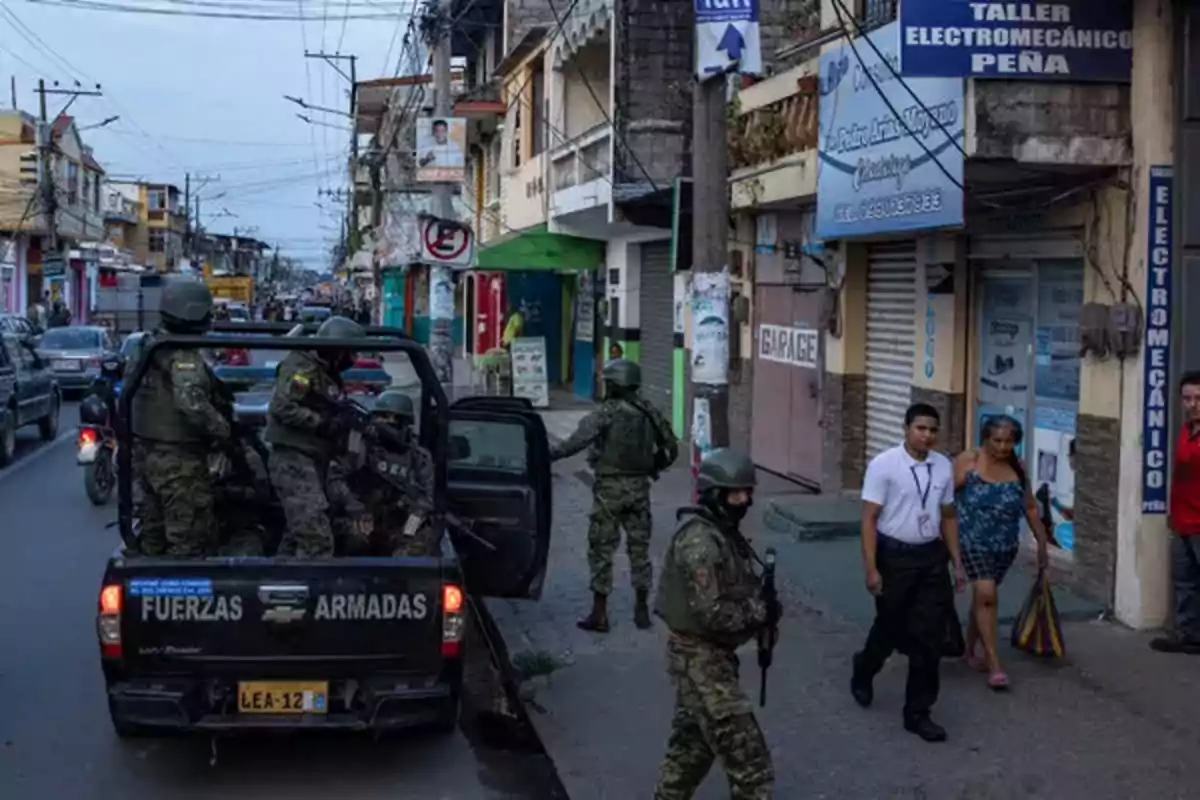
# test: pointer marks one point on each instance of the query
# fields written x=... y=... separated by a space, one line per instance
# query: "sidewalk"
x=1114 y=721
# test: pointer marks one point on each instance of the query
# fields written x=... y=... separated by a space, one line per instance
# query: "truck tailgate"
x=347 y=615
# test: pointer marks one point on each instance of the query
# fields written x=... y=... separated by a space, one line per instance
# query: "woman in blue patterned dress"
x=993 y=498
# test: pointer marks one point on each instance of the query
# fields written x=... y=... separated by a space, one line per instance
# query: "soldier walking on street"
x=631 y=442
x=711 y=599
x=176 y=424
x=305 y=435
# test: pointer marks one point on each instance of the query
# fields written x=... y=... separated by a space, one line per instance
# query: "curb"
x=814 y=525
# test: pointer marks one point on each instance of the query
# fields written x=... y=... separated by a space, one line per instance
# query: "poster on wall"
x=585 y=308
x=710 y=327
x=1004 y=360
x=441 y=294
x=529 y=377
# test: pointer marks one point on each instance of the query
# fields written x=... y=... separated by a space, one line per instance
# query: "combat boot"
x=641 y=610
x=598 y=620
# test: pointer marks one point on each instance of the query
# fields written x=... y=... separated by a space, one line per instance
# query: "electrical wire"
x=121 y=8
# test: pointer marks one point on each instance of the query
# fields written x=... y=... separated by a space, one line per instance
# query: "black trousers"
x=910 y=616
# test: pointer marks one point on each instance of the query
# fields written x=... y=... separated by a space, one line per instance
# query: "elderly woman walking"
x=993 y=498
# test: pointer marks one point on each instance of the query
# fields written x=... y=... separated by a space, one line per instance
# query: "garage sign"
x=446 y=243
x=796 y=347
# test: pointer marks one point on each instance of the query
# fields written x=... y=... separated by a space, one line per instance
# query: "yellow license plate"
x=283 y=697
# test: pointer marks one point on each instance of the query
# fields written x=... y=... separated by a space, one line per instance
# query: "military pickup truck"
x=365 y=643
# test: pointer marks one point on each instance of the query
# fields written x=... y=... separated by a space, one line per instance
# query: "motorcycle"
x=97 y=440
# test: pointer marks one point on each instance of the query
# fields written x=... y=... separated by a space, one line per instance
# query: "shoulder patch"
x=300 y=381
x=186 y=364
x=702 y=577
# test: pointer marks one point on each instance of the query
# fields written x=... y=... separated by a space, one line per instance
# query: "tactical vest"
x=629 y=443
x=306 y=441
x=154 y=416
x=735 y=574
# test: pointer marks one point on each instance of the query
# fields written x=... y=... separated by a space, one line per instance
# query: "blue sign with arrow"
x=727 y=38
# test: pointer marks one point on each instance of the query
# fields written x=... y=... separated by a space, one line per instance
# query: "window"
x=72 y=339
x=516 y=133
x=538 y=114
x=72 y=183
x=493 y=445
x=96 y=193
x=158 y=241
x=156 y=200
x=877 y=13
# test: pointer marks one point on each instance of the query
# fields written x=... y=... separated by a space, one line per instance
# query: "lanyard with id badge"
x=924 y=519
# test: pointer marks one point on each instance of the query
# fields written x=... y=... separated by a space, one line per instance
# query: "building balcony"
x=773 y=139
x=120 y=209
x=581 y=173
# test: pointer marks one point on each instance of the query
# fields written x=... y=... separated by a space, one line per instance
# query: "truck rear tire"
x=447 y=723
x=124 y=728
x=48 y=425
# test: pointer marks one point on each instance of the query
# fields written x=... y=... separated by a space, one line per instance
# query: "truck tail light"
x=453 y=620
x=108 y=621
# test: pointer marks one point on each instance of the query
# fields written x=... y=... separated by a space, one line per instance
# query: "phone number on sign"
x=926 y=201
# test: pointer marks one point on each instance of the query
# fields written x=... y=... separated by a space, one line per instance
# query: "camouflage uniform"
x=305 y=437
x=624 y=434
x=711 y=600
x=175 y=422
x=245 y=505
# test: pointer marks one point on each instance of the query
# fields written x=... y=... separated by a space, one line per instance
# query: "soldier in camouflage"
x=306 y=435
x=711 y=599
x=630 y=442
x=399 y=518
x=175 y=424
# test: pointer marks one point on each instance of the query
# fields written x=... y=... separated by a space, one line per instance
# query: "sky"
x=205 y=96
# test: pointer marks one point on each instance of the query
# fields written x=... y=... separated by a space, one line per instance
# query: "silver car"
x=74 y=354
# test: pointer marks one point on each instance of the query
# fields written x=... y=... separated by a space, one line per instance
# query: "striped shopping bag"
x=1037 y=629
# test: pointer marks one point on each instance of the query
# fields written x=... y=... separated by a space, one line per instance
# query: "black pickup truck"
x=364 y=643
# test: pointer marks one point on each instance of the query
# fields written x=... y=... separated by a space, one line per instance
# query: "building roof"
x=90 y=161
x=60 y=125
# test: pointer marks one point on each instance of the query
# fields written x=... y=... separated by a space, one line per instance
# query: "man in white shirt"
x=909 y=535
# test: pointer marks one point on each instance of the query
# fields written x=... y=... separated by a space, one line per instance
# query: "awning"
x=537 y=248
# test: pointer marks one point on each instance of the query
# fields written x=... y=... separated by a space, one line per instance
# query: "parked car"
x=29 y=394
x=74 y=354
x=15 y=323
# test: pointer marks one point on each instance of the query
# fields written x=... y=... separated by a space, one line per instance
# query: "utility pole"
x=441 y=316
x=46 y=186
x=332 y=60
x=191 y=239
x=710 y=254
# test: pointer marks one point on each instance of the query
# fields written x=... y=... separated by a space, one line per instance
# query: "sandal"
x=998 y=681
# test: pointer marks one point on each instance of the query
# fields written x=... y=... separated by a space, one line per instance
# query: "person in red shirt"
x=1184 y=519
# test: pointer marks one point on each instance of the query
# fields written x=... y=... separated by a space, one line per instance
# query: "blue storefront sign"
x=1156 y=360
x=882 y=171
x=1071 y=40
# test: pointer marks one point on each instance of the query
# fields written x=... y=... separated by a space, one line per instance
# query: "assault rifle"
x=358 y=420
x=769 y=635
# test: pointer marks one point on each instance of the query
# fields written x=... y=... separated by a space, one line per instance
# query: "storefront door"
x=1028 y=368
x=786 y=436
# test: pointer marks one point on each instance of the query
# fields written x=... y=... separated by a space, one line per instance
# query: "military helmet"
x=186 y=306
x=622 y=372
x=341 y=328
x=396 y=402
x=725 y=469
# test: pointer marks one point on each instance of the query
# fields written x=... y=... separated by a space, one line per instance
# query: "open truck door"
x=499 y=477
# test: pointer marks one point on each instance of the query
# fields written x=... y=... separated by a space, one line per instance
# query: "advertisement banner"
x=1156 y=360
x=441 y=148
x=885 y=171
x=710 y=328
x=1070 y=40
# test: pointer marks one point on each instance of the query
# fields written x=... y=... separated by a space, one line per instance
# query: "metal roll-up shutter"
x=658 y=325
x=891 y=340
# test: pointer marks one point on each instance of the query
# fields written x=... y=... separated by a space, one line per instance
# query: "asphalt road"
x=55 y=737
